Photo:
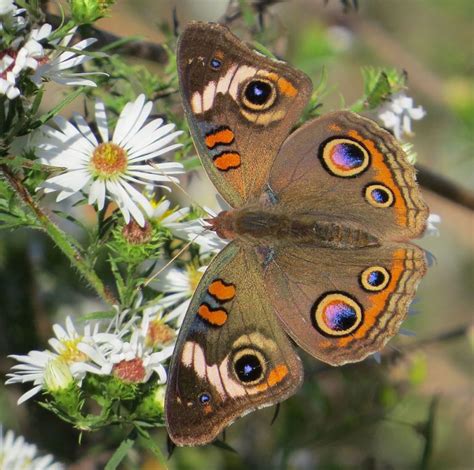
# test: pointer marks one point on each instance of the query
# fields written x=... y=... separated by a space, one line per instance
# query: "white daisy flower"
x=6 y=7
x=166 y=216
x=32 y=51
x=178 y=285
x=397 y=114
x=132 y=361
x=17 y=454
x=15 y=59
x=159 y=333
x=108 y=167
x=55 y=66
x=36 y=365
x=32 y=368
x=11 y=19
x=8 y=84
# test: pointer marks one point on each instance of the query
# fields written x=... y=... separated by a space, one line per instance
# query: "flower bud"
x=57 y=376
x=88 y=11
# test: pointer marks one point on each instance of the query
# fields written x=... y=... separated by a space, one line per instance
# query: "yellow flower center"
x=159 y=334
x=108 y=160
x=70 y=353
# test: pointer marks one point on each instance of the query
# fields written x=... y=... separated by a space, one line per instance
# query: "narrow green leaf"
x=119 y=454
x=47 y=116
x=152 y=446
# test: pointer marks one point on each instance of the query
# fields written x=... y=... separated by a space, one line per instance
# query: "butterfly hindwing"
x=232 y=355
x=342 y=305
x=240 y=107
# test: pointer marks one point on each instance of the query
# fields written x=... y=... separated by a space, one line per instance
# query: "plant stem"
x=59 y=238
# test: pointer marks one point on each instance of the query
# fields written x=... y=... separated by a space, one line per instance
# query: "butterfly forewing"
x=232 y=356
x=240 y=107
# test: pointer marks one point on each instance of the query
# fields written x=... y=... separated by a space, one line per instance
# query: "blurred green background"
x=415 y=409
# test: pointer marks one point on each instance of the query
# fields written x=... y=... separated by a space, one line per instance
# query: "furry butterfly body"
x=319 y=231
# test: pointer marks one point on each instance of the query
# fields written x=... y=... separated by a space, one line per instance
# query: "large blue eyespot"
x=259 y=94
x=249 y=365
x=336 y=314
x=344 y=157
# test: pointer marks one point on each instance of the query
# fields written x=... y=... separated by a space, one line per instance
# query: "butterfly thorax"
x=256 y=225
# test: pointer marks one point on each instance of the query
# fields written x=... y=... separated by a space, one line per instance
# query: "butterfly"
x=319 y=227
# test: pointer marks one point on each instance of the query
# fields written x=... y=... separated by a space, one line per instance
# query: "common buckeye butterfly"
x=320 y=231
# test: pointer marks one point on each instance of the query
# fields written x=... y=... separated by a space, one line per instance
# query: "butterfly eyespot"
x=336 y=314
x=344 y=157
x=215 y=63
x=249 y=366
x=379 y=195
x=259 y=94
x=375 y=278
x=204 y=398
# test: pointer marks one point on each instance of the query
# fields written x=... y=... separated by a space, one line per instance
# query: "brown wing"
x=343 y=168
x=341 y=305
x=232 y=355
x=240 y=107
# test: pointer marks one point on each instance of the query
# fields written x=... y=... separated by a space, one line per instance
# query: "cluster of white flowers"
x=131 y=352
x=17 y=454
x=398 y=112
x=27 y=54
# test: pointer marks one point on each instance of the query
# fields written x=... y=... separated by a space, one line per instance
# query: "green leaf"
x=120 y=454
x=47 y=116
x=379 y=92
x=152 y=446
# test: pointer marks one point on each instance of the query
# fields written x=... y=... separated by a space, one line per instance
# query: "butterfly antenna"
x=275 y=415
x=170 y=262
x=177 y=186
x=223 y=436
x=170 y=446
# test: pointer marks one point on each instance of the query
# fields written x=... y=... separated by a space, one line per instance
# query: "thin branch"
x=445 y=187
x=442 y=337
x=58 y=236
x=143 y=49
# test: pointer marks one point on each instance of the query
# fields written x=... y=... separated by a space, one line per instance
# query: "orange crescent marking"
x=221 y=291
x=222 y=136
x=335 y=128
x=378 y=301
x=385 y=176
x=214 y=317
x=276 y=375
x=207 y=409
x=227 y=161
x=286 y=88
